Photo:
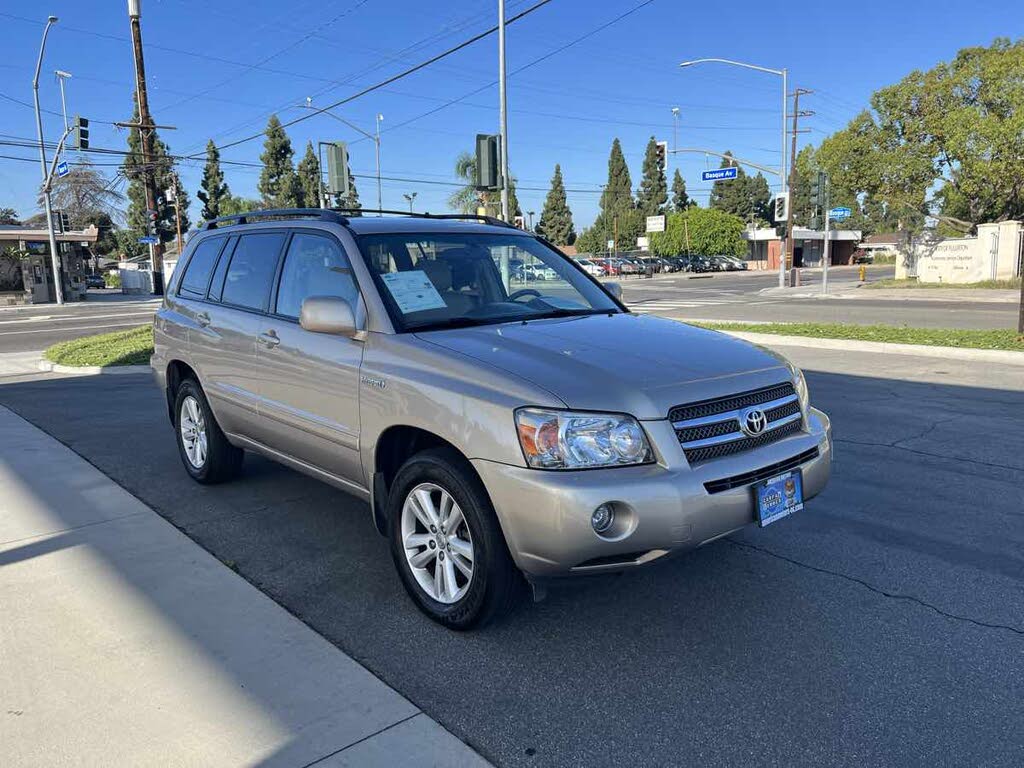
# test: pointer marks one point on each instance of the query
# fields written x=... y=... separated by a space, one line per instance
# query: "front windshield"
x=438 y=280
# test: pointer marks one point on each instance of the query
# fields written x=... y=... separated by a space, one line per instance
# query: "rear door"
x=309 y=403
x=223 y=342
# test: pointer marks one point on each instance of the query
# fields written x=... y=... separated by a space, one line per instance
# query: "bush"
x=113 y=280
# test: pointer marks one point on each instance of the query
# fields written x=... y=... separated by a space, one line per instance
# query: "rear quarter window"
x=199 y=267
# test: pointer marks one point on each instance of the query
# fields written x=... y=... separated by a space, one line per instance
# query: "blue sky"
x=219 y=68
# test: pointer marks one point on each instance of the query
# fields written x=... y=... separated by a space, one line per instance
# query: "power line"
x=396 y=77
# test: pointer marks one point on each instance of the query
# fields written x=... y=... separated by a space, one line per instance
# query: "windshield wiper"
x=462 y=322
x=562 y=312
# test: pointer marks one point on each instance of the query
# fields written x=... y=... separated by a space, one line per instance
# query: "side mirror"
x=615 y=289
x=328 y=314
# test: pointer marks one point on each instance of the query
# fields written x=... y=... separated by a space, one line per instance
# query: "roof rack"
x=324 y=214
x=417 y=215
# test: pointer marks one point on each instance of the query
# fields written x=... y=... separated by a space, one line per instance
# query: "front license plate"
x=779 y=496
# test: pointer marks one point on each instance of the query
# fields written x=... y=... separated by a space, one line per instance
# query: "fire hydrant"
x=863 y=273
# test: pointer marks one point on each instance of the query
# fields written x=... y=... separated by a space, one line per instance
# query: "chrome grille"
x=711 y=429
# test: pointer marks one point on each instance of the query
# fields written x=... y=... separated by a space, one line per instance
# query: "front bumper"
x=660 y=508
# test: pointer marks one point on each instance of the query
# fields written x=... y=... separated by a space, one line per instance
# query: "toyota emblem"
x=753 y=421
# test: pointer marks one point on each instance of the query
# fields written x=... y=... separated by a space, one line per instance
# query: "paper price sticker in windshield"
x=413 y=291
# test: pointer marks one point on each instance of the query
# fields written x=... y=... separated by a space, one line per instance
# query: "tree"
x=106 y=243
x=618 y=192
x=467 y=198
x=310 y=179
x=232 y=205
x=83 y=193
x=9 y=216
x=161 y=170
x=213 y=189
x=556 y=219
x=958 y=125
x=278 y=183
x=730 y=195
x=680 y=200
x=759 y=197
x=653 y=192
x=706 y=231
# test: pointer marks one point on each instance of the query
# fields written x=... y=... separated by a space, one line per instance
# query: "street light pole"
x=675 y=128
x=380 y=194
x=503 y=108
x=410 y=196
x=783 y=175
x=374 y=137
x=61 y=77
x=58 y=291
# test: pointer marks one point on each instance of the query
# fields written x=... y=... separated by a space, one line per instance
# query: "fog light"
x=602 y=518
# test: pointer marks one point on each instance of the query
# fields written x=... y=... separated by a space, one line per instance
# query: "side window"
x=217 y=284
x=197 y=273
x=314 y=266
x=251 y=272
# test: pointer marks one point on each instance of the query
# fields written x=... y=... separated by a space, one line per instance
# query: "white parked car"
x=592 y=269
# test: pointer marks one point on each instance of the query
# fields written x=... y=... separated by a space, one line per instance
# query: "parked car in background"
x=529 y=272
x=701 y=264
x=737 y=263
x=95 y=281
x=592 y=268
x=861 y=256
x=500 y=435
x=721 y=264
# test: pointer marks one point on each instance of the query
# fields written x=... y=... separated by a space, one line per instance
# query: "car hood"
x=628 y=363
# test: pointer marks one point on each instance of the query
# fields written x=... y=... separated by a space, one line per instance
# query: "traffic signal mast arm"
x=735 y=160
x=48 y=184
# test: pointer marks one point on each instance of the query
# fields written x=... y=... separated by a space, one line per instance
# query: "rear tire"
x=447 y=544
x=206 y=453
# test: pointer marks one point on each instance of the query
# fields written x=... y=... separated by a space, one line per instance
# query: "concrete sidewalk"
x=122 y=642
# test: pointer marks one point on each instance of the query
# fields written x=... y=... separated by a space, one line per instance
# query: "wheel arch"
x=177 y=372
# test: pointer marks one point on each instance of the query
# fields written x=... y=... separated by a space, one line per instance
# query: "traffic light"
x=80 y=133
x=58 y=222
x=780 y=210
x=65 y=222
x=151 y=223
x=819 y=185
x=662 y=148
x=488 y=175
x=337 y=169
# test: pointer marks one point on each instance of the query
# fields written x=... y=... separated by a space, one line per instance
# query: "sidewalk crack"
x=360 y=741
x=877 y=590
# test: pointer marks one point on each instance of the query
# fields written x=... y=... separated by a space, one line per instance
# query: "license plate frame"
x=779 y=497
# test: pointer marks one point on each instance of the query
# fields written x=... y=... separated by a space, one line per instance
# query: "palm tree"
x=465 y=199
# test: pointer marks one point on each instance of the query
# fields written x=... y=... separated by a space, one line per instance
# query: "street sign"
x=839 y=213
x=62 y=169
x=611 y=244
x=149 y=240
x=721 y=174
x=655 y=223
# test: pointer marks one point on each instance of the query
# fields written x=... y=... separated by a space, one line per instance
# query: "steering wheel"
x=524 y=292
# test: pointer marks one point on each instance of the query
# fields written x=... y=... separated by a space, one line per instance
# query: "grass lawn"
x=131 y=347
x=934 y=337
x=894 y=283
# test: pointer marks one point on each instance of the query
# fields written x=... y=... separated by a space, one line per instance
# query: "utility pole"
x=146 y=128
x=503 y=108
x=1020 y=252
x=380 y=194
x=530 y=214
x=675 y=128
x=797 y=114
x=826 y=257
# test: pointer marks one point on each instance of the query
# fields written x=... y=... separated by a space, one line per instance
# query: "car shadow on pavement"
x=881 y=625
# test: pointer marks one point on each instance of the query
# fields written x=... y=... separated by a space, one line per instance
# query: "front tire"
x=206 y=453
x=447 y=544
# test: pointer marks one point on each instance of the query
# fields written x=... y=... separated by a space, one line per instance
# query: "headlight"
x=800 y=384
x=567 y=440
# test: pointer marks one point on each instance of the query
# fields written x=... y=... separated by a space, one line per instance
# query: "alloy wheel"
x=437 y=543
x=193 y=432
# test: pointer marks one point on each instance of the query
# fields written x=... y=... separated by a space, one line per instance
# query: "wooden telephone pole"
x=797 y=114
x=146 y=127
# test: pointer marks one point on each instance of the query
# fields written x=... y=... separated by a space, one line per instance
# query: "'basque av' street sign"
x=719 y=175
x=149 y=240
x=62 y=169
x=840 y=213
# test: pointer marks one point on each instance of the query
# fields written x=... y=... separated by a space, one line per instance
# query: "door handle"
x=269 y=339
x=203 y=319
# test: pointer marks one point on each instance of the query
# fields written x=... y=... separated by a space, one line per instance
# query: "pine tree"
x=213 y=189
x=759 y=197
x=310 y=180
x=680 y=200
x=162 y=170
x=278 y=184
x=556 y=219
x=730 y=195
x=618 y=192
x=653 y=192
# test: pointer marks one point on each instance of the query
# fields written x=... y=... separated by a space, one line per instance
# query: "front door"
x=309 y=396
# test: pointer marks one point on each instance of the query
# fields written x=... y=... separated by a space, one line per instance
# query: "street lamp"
x=784 y=74
x=675 y=127
x=54 y=258
x=375 y=138
x=410 y=196
x=61 y=76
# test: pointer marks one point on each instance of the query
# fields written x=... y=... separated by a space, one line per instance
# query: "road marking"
x=80 y=328
x=57 y=319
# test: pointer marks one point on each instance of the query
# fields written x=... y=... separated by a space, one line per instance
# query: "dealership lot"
x=882 y=625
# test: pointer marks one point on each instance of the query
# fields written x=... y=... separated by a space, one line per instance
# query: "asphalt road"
x=37 y=327
x=884 y=625
x=739 y=296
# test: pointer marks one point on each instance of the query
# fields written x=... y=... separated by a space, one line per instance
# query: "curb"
x=92 y=370
x=1005 y=356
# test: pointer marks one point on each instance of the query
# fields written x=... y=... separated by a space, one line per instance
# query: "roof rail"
x=325 y=214
x=417 y=215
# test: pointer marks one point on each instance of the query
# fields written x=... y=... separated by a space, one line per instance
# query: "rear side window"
x=197 y=273
x=251 y=272
x=315 y=266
